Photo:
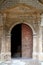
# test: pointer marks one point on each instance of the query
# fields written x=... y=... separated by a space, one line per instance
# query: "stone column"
x=7 y=47
x=35 y=56
x=40 y=39
x=40 y=44
x=3 y=37
x=1 y=34
x=36 y=38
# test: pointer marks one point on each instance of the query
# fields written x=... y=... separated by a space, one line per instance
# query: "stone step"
x=21 y=62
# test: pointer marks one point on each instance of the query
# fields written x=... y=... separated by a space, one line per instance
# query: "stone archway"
x=21 y=13
x=26 y=41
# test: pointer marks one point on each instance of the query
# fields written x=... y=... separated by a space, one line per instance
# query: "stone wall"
x=11 y=17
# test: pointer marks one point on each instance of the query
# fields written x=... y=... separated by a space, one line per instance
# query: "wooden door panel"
x=27 y=41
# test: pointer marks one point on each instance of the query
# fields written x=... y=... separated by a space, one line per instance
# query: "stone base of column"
x=38 y=56
x=5 y=56
x=0 y=56
x=35 y=55
x=41 y=56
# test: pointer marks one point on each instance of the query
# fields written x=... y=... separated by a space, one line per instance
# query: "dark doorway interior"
x=16 y=41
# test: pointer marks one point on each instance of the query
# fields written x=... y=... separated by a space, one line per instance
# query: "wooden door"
x=21 y=41
x=27 y=41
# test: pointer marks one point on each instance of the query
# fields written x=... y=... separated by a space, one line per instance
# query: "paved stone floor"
x=41 y=63
x=21 y=62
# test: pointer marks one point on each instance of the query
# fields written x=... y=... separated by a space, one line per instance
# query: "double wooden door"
x=21 y=41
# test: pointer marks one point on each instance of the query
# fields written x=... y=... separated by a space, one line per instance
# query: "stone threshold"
x=21 y=62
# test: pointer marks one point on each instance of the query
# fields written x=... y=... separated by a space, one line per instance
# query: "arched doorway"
x=21 y=41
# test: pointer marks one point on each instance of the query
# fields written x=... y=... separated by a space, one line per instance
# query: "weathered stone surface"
x=21 y=62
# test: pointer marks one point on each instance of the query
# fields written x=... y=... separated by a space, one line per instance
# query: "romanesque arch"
x=22 y=38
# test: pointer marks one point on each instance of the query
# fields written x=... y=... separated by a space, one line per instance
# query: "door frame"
x=34 y=36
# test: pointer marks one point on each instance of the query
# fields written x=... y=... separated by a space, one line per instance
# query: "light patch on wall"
x=42 y=20
x=41 y=23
